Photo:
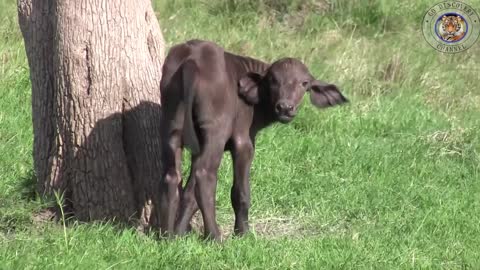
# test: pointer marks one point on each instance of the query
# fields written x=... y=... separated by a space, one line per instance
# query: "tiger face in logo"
x=452 y=28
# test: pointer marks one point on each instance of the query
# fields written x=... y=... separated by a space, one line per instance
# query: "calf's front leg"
x=242 y=155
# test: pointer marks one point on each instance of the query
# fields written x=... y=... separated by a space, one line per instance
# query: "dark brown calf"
x=214 y=101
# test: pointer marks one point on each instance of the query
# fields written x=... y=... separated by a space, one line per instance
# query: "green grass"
x=389 y=181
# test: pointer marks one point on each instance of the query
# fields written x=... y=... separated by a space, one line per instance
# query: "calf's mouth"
x=285 y=118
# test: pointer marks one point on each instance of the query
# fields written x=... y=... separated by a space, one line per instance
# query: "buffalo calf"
x=215 y=101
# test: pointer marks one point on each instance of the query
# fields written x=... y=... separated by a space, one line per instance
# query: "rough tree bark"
x=95 y=69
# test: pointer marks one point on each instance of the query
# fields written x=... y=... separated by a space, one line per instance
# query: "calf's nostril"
x=284 y=108
x=279 y=107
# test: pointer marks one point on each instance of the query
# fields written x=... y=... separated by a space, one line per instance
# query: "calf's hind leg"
x=171 y=185
x=188 y=204
x=202 y=184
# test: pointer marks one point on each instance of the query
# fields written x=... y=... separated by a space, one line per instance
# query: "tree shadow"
x=112 y=176
x=115 y=172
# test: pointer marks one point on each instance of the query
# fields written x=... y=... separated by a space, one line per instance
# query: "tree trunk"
x=95 y=68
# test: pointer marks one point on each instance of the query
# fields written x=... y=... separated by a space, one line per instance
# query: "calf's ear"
x=324 y=95
x=248 y=87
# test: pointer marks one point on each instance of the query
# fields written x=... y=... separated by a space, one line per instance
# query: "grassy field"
x=390 y=181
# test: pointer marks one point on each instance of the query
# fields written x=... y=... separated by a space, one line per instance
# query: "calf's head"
x=283 y=86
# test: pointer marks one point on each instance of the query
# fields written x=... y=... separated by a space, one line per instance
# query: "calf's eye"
x=304 y=84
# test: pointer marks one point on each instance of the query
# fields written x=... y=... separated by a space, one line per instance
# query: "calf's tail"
x=190 y=137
